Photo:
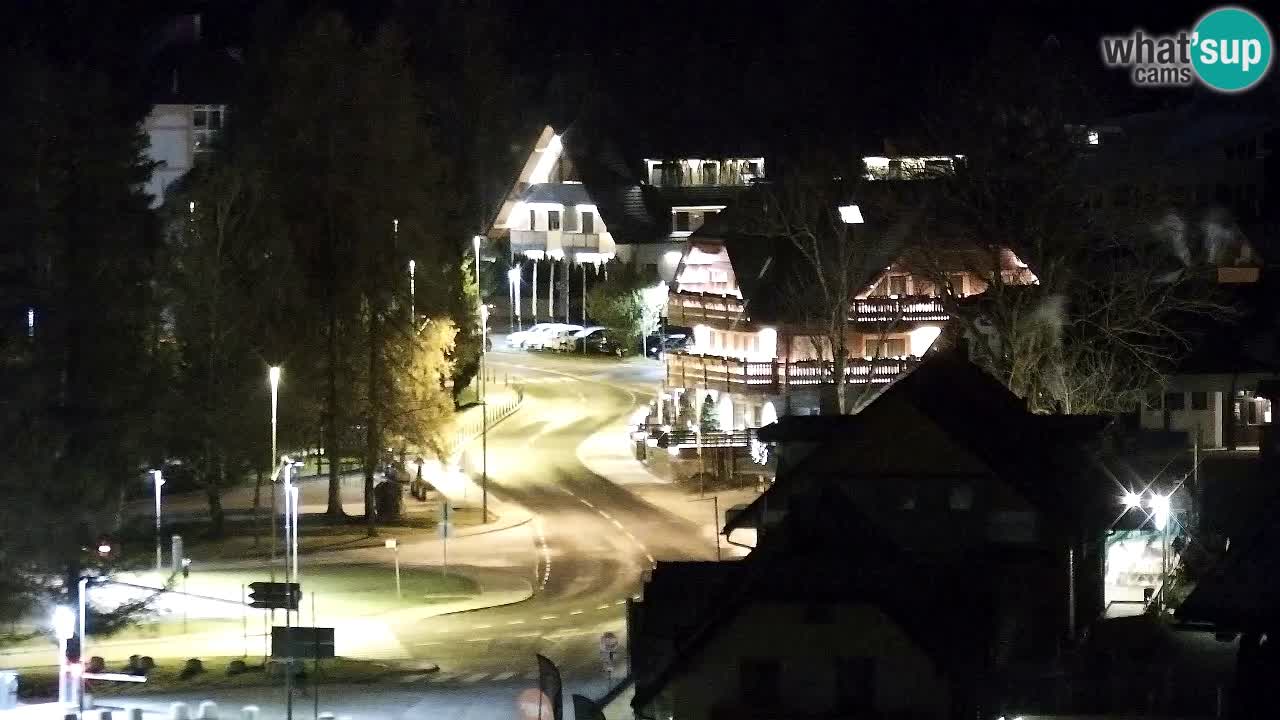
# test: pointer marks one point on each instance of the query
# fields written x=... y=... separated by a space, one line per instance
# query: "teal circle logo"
x=1231 y=49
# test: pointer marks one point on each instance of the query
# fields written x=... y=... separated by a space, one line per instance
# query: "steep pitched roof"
x=830 y=559
x=1039 y=455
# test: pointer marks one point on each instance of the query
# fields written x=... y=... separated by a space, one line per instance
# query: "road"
x=591 y=543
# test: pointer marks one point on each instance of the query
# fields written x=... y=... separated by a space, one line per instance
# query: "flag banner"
x=549 y=684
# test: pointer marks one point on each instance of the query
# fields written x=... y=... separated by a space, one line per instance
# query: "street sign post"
x=446 y=530
x=302 y=642
x=274 y=596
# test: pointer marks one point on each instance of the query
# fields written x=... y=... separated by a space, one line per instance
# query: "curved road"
x=594 y=540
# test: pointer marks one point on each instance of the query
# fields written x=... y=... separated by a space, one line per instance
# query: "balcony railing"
x=910 y=308
x=555 y=239
x=734 y=375
x=691 y=308
x=666 y=436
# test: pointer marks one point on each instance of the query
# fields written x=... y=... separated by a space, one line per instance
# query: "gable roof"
x=1038 y=455
x=832 y=560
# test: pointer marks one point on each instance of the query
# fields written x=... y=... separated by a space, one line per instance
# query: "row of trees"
x=135 y=338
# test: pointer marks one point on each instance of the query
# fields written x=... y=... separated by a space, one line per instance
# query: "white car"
x=519 y=338
x=547 y=340
x=568 y=343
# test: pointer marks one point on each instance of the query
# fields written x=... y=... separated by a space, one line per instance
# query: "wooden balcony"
x=725 y=312
x=546 y=241
x=712 y=309
x=906 y=309
x=772 y=376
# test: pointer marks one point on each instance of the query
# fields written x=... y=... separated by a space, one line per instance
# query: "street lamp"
x=413 y=296
x=64 y=628
x=1159 y=505
x=1131 y=500
x=273 y=377
x=394 y=546
x=157 y=478
x=484 y=408
x=513 y=278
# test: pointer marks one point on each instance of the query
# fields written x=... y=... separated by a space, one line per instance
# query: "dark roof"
x=634 y=213
x=837 y=558
x=563 y=193
x=1039 y=455
x=1242 y=592
x=195 y=74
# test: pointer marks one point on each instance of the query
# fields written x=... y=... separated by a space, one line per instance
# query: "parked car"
x=547 y=340
x=602 y=343
x=658 y=344
x=519 y=338
x=567 y=343
x=582 y=341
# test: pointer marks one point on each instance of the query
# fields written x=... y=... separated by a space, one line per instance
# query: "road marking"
x=615 y=522
x=575 y=612
x=504 y=675
x=623 y=601
x=483 y=639
x=427 y=644
x=443 y=677
x=605 y=515
x=587 y=503
x=415 y=678
x=548 y=617
x=635 y=597
x=603 y=607
x=475 y=678
x=527 y=635
x=485 y=626
x=516 y=622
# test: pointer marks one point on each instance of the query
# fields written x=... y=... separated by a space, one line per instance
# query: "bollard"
x=135 y=713
x=179 y=711
x=208 y=710
x=249 y=712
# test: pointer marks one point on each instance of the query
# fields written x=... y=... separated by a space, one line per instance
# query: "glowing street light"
x=1159 y=505
x=1131 y=500
x=64 y=628
x=394 y=546
x=273 y=377
x=513 y=279
x=158 y=478
x=413 y=296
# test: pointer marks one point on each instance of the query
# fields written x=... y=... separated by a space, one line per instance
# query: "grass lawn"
x=165 y=678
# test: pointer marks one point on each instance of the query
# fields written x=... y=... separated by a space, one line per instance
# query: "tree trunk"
x=334 y=507
x=213 y=490
x=373 y=434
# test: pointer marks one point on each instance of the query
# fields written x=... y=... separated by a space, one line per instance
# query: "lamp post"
x=513 y=278
x=157 y=477
x=273 y=377
x=484 y=408
x=64 y=628
x=413 y=296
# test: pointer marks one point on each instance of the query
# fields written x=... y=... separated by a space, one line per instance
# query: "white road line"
x=575 y=612
x=603 y=607
x=620 y=602
x=618 y=524
x=485 y=626
x=605 y=515
x=548 y=617
x=475 y=678
x=504 y=675
x=483 y=639
x=427 y=644
x=516 y=622
x=586 y=502
x=443 y=677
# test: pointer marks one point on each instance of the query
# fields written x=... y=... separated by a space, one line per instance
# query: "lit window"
x=1094 y=137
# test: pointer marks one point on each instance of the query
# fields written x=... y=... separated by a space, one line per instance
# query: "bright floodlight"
x=103 y=549
x=64 y=622
x=513 y=274
x=273 y=374
x=1159 y=505
x=1131 y=500
x=412 y=266
x=851 y=214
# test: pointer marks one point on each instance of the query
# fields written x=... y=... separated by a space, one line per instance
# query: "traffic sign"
x=302 y=642
x=609 y=642
x=274 y=596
